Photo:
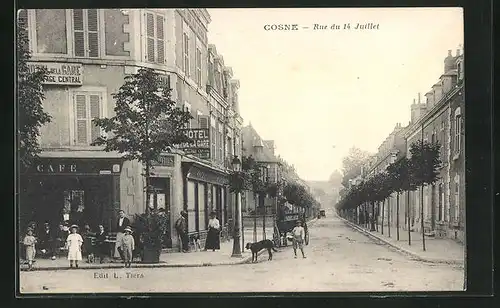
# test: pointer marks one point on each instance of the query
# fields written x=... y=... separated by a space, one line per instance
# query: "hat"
x=74 y=226
x=127 y=229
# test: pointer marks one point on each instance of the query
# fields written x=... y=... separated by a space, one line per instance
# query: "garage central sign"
x=60 y=73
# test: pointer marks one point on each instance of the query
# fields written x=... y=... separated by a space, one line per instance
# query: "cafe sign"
x=77 y=166
x=200 y=146
x=59 y=73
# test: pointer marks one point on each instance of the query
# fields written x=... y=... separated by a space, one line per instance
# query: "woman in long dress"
x=213 y=239
x=74 y=246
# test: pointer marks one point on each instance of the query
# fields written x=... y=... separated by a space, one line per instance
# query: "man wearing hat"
x=47 y=241
x=121 y=224
x=127 y=246
x=181 y=228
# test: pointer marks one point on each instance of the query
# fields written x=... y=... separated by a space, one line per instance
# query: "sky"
x=319 y=92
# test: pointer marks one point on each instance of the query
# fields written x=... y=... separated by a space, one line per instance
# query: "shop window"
x=74 y=204
x=202 y=211
x=87 y=106
x=191 y=206
x=185 y=53
x=155 y=38
x=51 y=31
x=86 y=33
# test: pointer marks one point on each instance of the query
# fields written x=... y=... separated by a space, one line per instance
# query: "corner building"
x=89 y=52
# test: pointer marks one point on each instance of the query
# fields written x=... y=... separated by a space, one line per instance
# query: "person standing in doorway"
x=298 y=238
x=181 y=228
x=121 y=224
x=213 y=239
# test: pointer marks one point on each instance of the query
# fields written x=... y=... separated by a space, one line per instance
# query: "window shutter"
x=95 y=112
x=93 y=33
x=23 y=18
x=81 y=119
x=203 y=120
x=150 y=34
x=160 y=36
x=78 y=33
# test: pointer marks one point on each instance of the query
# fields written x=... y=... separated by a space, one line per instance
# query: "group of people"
x=213 y=235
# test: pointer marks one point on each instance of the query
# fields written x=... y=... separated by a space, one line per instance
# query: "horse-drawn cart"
x=285 y=224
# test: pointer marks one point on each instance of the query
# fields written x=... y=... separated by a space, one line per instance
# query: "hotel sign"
x=60 y=73
x=200 y=147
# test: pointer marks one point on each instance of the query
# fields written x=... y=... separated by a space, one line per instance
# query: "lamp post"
x=236 y=163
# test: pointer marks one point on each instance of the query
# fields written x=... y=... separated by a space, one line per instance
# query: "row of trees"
x=405 y=174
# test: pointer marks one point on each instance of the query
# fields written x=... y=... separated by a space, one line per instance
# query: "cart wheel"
x=307 y=238
x=276 y=238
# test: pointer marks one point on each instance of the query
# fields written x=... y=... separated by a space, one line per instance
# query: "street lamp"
x=236 y=163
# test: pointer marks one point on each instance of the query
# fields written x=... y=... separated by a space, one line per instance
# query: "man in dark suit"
x=121 y=224
x=102 y=248
x=47 y=241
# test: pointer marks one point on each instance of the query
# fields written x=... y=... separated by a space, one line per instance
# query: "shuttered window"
x=198 y=66
x=87 y=107
x=185 y=51
x=155 y=38
x=86 y=33
x=203 y=121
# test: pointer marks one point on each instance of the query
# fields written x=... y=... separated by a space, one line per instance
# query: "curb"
x=400 y=249
x=151 y=265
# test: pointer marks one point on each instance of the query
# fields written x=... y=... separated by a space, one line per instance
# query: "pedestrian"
x=298 y=234
x=74 y=245
x=29 y=243
x=121 y=224
x=213 y=238
x=128 y=246
x=101 y=244
x=181 y=228
x=47 y=241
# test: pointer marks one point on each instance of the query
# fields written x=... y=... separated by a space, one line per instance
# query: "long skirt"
x=30 y=253
x=213 y=240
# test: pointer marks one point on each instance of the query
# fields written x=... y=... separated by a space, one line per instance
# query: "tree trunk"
x=264 y=220
x=255 y=218
x=422 y=215
x=377 y=214
x=372 y=220
x=397 y=216
x=382 y=220
x=148 y=196
x=389 y=216
x=408 y=214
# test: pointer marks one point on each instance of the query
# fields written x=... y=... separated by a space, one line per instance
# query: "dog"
x=196 y=242
x=258 y=246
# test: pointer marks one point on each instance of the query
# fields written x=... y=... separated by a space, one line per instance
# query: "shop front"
x=205 y=191
x=76 y=190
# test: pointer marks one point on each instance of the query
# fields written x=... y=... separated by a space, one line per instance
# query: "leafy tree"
x=424 y=165
x=352 y=164
x=146 y=122
x=30 y=95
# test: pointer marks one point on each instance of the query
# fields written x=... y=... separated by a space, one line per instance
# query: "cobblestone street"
x=338 y=259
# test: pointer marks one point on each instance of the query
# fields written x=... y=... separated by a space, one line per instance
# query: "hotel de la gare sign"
x=60 y=73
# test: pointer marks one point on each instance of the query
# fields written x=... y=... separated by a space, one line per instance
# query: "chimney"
x=458 y=52
x=419 y=98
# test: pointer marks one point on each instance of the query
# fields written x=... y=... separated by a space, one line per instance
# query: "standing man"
x=121 y=224
x=47 y=241
x=181 y=228
x=298 y=238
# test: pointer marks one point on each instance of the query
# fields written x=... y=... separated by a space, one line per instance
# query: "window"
x=191 y=206
x=155 y=38
x=51 y=31
x=202 y=216
x=86 y=33
x=185 y=51
x=441 y=209
x=217 y=79
x=198 y=66
x=211 y=72
x=87 y=106
x=213 y=134
x=220 y=142
x=458 y=131
x=457 y=198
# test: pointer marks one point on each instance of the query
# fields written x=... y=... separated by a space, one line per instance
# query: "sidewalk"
x=437 y=250
x=172 y=259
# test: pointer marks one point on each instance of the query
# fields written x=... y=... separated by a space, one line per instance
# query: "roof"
x=251 y=144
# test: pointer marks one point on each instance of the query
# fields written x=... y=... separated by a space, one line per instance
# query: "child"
x=298 y=238
x=74 y=246
x=128 y=246
x=29 y=242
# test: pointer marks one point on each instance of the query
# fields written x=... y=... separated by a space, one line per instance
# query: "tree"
x=146 y=122
x=425 y=164
x=352 y=164
x=383 y=191
x=399 y=177
x=30 y=94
